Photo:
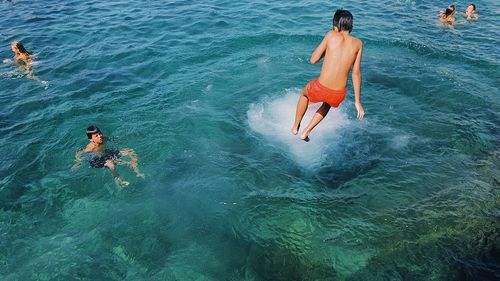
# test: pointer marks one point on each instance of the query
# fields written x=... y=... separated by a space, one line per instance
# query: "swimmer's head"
x=342 y=20
x=471 y=8
x=18 y=47
x=449 y=11
x=94 y=134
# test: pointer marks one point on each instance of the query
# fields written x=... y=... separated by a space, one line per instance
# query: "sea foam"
x=272 y=117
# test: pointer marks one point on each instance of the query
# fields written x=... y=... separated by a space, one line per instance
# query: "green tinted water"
x=205 y=93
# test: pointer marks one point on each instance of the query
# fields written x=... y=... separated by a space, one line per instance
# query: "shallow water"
x=205 y=93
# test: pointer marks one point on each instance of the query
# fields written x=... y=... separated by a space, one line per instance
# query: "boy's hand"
x=76 y=166
x=139 y=174
x=361 y=111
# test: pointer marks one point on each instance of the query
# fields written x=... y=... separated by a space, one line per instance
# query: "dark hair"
x=20 y=47
x=92 y=130
x=343 y=20
x=448 y=12
x=474 y=6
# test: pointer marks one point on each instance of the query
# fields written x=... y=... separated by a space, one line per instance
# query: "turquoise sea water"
x=205 y=92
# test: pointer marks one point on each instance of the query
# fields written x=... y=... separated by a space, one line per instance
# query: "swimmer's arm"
x=78 y=155
x=319 y=52
x=356 y=82
x=7 y=61
x=78 y=159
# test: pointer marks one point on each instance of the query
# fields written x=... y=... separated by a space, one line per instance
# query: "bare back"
x=340 y=51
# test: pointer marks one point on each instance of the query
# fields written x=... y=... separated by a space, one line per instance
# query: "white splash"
x=273 y=118
x=208 y=89
x=400 y=141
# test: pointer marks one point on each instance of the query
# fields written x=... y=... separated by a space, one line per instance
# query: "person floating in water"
x=470 y=12
x=448 y=16
x=24 y=59
x=100 y=156
x=341 y=52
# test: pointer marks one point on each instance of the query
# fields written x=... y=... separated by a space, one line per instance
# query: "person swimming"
x=100 y=156
x=23 y=58
x=470 y=12
x=21 y=54
x=447 y=17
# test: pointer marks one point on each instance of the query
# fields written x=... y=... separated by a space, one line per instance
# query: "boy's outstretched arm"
x=319 y=52
x=356 y=82
x=78 y=160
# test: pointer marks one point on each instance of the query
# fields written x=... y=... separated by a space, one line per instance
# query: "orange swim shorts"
x=319 y=93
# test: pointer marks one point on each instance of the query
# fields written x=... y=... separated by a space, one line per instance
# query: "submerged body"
x=341 y=52
x=447 y=19
x=22 y=58
x=101 y=157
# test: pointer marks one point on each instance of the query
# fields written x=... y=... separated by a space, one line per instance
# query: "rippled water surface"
x=205 y=93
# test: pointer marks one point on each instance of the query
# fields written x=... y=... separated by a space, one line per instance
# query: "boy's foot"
x=295 y=130
x=139 y=174
x=305 y=138
x=121 y=182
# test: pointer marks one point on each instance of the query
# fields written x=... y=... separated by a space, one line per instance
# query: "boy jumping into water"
x=105 y=157
x=341 y=52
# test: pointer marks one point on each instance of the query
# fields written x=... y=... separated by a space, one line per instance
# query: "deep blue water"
x=205 y=93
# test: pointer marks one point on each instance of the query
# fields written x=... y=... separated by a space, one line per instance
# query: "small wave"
x=45 y=84
x=273 y=119
x=13 y=74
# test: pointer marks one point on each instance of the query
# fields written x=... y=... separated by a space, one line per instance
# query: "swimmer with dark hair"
x=448 y=16
x=100 y=156
x=341 y=52
x=21 y=54
x=23 y=58
x=470 y=12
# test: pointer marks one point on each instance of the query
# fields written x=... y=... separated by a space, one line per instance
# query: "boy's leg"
x=302 y=105
x=134 y=161
x=318 y=116
x=111 y=166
